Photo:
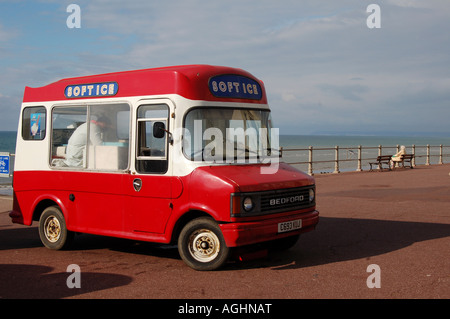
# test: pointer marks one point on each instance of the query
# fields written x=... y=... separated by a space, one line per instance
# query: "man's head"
x=103 y=121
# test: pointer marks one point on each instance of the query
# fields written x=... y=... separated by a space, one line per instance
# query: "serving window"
x=94 y=137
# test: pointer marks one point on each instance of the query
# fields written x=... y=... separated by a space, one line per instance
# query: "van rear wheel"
x=201 y=245
x=52 y=229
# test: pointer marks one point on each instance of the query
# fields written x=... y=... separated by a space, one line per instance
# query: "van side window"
x=34 y=123
x=151 y=153
x=94 y=137
x=65 y=121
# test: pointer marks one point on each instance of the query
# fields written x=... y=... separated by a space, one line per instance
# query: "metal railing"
x=336 y=159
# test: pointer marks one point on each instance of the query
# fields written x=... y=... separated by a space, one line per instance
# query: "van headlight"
x=247 y=204
x=312 y=195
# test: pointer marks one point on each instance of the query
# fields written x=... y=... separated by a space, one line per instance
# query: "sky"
x=329 y=67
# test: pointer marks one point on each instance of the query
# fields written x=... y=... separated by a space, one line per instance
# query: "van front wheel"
x=201 y=245
x=52 y=229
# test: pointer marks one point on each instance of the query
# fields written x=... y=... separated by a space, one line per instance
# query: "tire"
x=201 y=245
x=52 y=229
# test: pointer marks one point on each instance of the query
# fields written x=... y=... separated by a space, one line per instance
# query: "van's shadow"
x=342 y=239
x=28 y=237
x=334 y=240
x=28 y=281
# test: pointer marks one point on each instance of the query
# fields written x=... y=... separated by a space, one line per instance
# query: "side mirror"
x=159 y=130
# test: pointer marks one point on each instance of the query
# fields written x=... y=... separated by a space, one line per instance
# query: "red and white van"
x=182 y=154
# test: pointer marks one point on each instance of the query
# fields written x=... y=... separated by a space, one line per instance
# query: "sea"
x=296 y=151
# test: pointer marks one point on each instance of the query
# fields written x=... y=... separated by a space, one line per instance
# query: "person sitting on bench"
x=398 y=157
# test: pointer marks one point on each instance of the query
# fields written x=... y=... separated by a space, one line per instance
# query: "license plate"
x=289 y=226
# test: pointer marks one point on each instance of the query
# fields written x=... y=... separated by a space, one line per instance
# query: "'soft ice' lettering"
x=91 y=90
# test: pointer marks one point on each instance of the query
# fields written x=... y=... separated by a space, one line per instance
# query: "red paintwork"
x=221 y=181
x=245 y=233
x=107 y=204
x=190 y=81
x=249 y=178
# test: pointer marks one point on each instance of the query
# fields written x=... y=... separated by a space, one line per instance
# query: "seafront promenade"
x=398 y=220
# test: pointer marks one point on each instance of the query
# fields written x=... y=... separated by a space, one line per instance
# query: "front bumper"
x=252 y=232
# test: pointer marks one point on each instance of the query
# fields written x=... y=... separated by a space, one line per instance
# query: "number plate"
x=289 y=226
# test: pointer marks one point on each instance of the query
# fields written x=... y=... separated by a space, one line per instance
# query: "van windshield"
x=224 y=134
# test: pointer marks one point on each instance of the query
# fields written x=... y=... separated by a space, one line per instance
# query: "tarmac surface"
x=397 y=220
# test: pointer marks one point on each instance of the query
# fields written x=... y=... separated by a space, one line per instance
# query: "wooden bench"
x=406 y=158
x=382 y=159
x=386 y=159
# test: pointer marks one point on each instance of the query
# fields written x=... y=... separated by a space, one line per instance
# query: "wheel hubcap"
x=52 y=229
x=204 y=245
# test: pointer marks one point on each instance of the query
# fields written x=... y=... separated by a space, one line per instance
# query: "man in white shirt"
x=75 y=153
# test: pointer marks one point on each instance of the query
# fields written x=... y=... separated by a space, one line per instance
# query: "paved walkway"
x=398 y=220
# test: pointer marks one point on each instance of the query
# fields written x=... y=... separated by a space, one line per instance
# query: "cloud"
x=4 y=35
x=319 y=60
x=213 y=31
x=347 y=92
x=10 y=106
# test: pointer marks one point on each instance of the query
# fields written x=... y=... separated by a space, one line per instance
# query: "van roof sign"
x=235 y=86
x=91 y=90
x=194 y=82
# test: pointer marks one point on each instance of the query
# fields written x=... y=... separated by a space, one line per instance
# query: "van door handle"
x=137 y=184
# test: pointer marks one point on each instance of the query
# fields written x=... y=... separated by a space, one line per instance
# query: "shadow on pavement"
x=334 y=240
x=22 y=281
x=342 y=239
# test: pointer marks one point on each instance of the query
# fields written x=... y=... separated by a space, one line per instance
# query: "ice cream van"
x=183 y=155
